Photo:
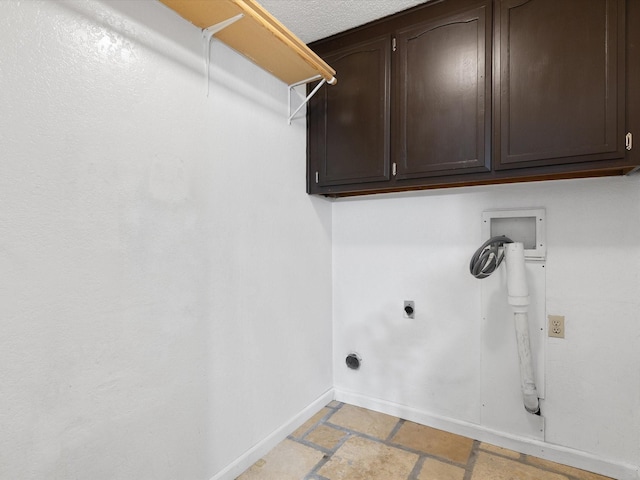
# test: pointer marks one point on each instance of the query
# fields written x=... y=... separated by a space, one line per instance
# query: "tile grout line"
x=315 y=446
x=322 y=421
x=391 y=444
x=350 y=433
x=524 y=459
x=471 y=461
x=327 y=452
x=325 y=459
x=388 y=441
x=395 y=429
x=315 y=476
x=417 y=468
x=422 y=456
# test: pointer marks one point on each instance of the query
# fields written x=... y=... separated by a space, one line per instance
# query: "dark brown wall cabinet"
x=442 y=84
x=560 y=78
x=349 y=126
x=463 y=92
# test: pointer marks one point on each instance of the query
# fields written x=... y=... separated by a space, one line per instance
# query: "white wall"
x=417 y=247
x=166 y=282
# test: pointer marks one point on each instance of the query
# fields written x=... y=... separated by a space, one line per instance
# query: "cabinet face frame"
x=612 y=146
x=375 y=167
x=408 y=164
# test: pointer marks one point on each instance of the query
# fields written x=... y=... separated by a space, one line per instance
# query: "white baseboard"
x=537 y=448
x=259 y=450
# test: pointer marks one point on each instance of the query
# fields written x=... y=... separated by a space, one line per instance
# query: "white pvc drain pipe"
x=518 y=292
x=484 y=262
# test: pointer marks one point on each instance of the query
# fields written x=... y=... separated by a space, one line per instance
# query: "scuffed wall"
x=166 y=281
x=388 y=249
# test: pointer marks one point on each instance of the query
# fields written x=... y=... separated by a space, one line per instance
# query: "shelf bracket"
x=207 y=35
x=306 y=99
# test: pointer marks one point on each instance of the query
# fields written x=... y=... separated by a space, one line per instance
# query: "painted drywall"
x=167 y=285
x=166 y=281
x=417 y=247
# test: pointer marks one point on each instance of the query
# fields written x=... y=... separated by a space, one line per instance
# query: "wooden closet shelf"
x=259 y=36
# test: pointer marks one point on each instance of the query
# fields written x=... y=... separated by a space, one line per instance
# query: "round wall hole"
x=353 y=361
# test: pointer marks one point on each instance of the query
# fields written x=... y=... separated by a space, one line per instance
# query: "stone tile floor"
x=343 y=442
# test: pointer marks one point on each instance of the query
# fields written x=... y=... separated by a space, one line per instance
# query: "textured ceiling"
x=314 y=19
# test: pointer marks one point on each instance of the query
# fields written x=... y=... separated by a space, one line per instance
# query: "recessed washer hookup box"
x=527 y=226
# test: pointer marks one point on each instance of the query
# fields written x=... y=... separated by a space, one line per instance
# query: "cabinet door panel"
x=350 y=121
x=560 y=78
x=442 y=92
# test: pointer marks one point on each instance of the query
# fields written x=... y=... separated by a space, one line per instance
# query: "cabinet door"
x=559 y=82
x=349 y=122
x=442 y=96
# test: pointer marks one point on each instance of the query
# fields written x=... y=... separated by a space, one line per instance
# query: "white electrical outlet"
x=556 y=326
